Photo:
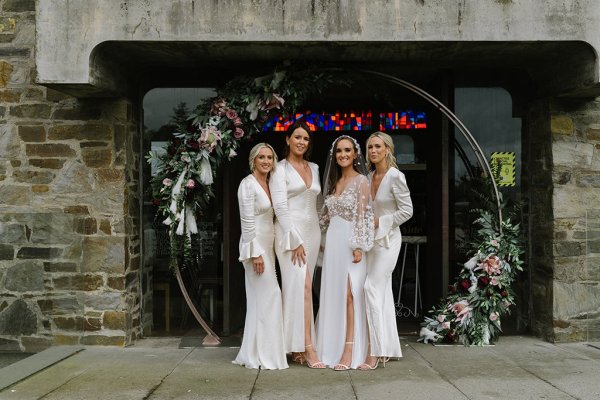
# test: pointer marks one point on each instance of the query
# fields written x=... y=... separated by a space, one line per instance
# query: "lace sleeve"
x=324 y=216
x=363 y=227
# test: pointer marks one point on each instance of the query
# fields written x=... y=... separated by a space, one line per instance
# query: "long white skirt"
x=262 y=344
x=381 y=312
x=331 y=319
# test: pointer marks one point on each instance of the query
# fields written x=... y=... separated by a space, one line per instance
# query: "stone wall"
x=576 y=207
x=69 y=219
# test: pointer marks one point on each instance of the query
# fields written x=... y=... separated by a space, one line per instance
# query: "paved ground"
x=516 y=368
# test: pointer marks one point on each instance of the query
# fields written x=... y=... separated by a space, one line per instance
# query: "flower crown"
x=345 y=137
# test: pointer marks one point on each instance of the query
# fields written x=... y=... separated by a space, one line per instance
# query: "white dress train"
x=262 y=344
x=297 y=224
x=349 y=221
x=393 y=207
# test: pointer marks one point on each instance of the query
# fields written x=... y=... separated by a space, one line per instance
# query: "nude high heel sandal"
x=316 y=365
x=343 y=367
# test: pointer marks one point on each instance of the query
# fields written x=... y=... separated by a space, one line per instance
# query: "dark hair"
x=335 y=171
x=298 y=124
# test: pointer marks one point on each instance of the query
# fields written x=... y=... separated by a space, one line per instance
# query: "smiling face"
x=299 y=142
x=345 y=153
x=263 y=162
x=377 y=150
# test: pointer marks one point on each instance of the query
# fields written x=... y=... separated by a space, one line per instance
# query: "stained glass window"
x=349 y=121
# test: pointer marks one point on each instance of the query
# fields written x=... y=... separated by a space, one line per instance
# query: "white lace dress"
x=297 y=224
x=348 y=219
x=262 y=344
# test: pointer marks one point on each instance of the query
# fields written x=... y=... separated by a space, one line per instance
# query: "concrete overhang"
x=114 y=47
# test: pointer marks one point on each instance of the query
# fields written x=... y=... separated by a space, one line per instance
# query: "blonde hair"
x=254 y=153
x=389 y=144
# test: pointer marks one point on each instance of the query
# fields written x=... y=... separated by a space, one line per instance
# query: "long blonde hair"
x=389 y=144
x=254 y=153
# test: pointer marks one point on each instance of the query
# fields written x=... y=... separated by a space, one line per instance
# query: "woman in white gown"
x=262 y=344
x=295 y=189
x=341 y=323
x=393 y=207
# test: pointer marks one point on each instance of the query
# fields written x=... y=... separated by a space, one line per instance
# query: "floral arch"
x=183 y=187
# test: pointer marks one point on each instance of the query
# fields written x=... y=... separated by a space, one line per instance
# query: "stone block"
x=82 y=112
x=10 y=145
x=568 y=249
x=25 y=277
x=66 y=340
x=573 y=300
x=105 y=227
x=52 y=228
x=85 y=145
x=47 y=163
x=33 y=344
x=7 y=25
x=589 y=180
x=9 y=345
x=572 y=154
x=32 y=133
x=60 y=306
x=6 y=71
x=82 y=282
x=40 y=188
x=60 y=267
x=33 y=177
x=92 y=324
x=115 y=320
x=85 y=226
x=19 y=5
x=102 y=301
x=49 y=150
x=10 y=96
x=561 y=178
x=7 y=252
x=80 y=132
x=99 y=340
x=31 y=111
x=116 y=282
x=38 y=252
x=18 y=319
x=69 y=323
x=572 y=202
x=103 y=254
x=15 y=195
x=78 y=209
x=108 y=175
x=12 y=233
x=55 y=96
x=33 y=94
x=561 y=125
x=96 y=158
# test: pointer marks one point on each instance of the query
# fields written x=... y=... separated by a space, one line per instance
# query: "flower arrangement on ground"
x=482 y=293
x=182 y=186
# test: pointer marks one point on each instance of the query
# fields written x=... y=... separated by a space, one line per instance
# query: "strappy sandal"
x=340 y=366
x=315 y=365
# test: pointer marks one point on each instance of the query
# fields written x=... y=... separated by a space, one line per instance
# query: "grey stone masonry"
x=576 y=207
x=68 y=195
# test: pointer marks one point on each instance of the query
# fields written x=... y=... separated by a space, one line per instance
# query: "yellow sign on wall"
x=503 y=168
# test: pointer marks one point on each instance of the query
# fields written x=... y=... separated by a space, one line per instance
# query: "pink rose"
x=446 y=325
x=190 y=184
x=167 y=182
x=492 y=265
x=441 y=317
x=494 y=281
x=239 y=133
x=493 y=316
x=494 y=243
x=231 y=114
x=237 y=121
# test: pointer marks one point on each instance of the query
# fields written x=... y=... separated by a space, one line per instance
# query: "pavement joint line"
x=352 y=385
x=62 y=384
x=153 y=389
x=507 y=359
x=254 y=385
x=438 y=372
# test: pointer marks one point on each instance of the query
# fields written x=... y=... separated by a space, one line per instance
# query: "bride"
x=347 y=216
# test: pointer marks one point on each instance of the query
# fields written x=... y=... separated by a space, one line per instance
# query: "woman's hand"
x=357 y=255
x=299 y=255
x=258 y=265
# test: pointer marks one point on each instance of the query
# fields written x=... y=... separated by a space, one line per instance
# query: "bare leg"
x=310 y=355
x=346 y=359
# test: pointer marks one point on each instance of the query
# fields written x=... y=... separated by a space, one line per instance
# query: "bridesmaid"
x=393 y=207
x=295 y=188
x=262 y=345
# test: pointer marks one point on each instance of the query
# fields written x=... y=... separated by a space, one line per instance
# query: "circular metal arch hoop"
x=452 y=117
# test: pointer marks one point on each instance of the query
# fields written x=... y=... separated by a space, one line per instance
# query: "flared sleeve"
x=249 y=245
x=404 y=208
x=363 y=226
x=279 y=195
